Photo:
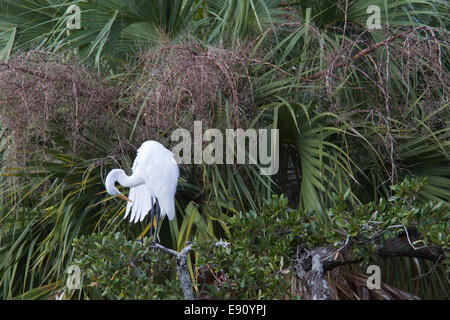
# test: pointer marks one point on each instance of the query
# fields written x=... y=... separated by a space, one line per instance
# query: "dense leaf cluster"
x=260 y=260
x=123 y=269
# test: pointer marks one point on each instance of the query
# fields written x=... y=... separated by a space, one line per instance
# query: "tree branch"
x=361 y=53
x=396 y=247
x=311 y=265
x=182 y=265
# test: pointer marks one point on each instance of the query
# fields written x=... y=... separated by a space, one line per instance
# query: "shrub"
x=46 y=97
x=124 y=269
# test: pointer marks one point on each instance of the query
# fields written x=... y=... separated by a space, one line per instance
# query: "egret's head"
x=110 y=182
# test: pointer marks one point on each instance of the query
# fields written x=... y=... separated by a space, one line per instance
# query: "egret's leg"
x=152 y=213
x=158 y=212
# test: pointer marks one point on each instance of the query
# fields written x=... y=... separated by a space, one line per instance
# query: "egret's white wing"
x=157 y=166
x=161 y=175
x=141 y=195
x=142 y=198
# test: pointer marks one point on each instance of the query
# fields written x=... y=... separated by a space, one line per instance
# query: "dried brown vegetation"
x=41 y=90
x=414 y=56
x=178 y=84
x=170 y=87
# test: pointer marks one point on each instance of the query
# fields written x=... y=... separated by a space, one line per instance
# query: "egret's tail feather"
x=140 y=206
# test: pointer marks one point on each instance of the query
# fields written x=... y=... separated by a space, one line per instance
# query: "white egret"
x=152 y=185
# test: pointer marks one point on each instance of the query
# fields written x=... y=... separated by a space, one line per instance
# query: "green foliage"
x=258 y=265
x=387 y=217
x=123 y=269
x=235 y=20
x=41 y=219
x=108 y=28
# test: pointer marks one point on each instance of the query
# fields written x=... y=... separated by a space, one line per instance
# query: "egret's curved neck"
x=130 y=181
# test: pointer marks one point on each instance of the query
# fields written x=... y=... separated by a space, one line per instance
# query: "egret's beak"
x=124 y=197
